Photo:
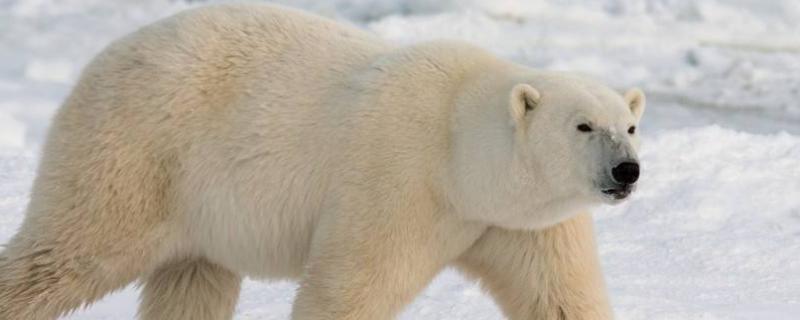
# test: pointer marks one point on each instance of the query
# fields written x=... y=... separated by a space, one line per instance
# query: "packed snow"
x=713 y=231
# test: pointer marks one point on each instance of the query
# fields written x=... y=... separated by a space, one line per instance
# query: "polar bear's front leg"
x=375 y=253
x=548 y=274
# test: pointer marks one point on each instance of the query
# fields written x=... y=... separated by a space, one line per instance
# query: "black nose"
x=626 y=172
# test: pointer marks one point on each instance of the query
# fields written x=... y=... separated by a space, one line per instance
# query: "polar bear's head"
x=578 y=136
x=554 y=145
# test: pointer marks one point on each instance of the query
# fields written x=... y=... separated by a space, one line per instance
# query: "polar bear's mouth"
x=619 y=193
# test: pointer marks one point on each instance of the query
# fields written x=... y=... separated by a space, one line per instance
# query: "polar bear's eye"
x=632 y=130
x=584 y=128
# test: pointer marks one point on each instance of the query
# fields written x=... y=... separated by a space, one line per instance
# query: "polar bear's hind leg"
x=98 y=220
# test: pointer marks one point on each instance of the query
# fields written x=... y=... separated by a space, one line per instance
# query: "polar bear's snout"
x=619 y=168
x=623 y=180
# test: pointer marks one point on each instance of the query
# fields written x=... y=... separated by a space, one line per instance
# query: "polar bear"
x=253 y=140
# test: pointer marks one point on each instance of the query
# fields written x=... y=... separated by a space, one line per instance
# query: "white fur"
x=531 y=173
x=260 y=141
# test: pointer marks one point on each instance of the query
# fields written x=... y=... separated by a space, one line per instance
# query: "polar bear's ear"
x=636 y=102
x=524 y=99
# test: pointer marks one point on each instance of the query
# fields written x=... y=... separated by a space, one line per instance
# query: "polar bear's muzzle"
x=622 y=180
x=620 y=167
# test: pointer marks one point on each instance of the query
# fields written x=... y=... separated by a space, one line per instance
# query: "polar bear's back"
x=196 y=64
x=231 y=49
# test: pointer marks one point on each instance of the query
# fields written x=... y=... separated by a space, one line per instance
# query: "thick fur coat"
x=247 y=140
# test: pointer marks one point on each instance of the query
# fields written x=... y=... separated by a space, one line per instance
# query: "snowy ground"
x=714 y=231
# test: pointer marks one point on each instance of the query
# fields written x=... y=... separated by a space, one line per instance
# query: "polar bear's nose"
x=626 y=172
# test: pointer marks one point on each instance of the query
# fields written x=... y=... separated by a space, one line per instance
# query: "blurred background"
x=712 y=233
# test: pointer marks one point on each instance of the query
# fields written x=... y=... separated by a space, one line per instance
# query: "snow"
x=713 y=231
